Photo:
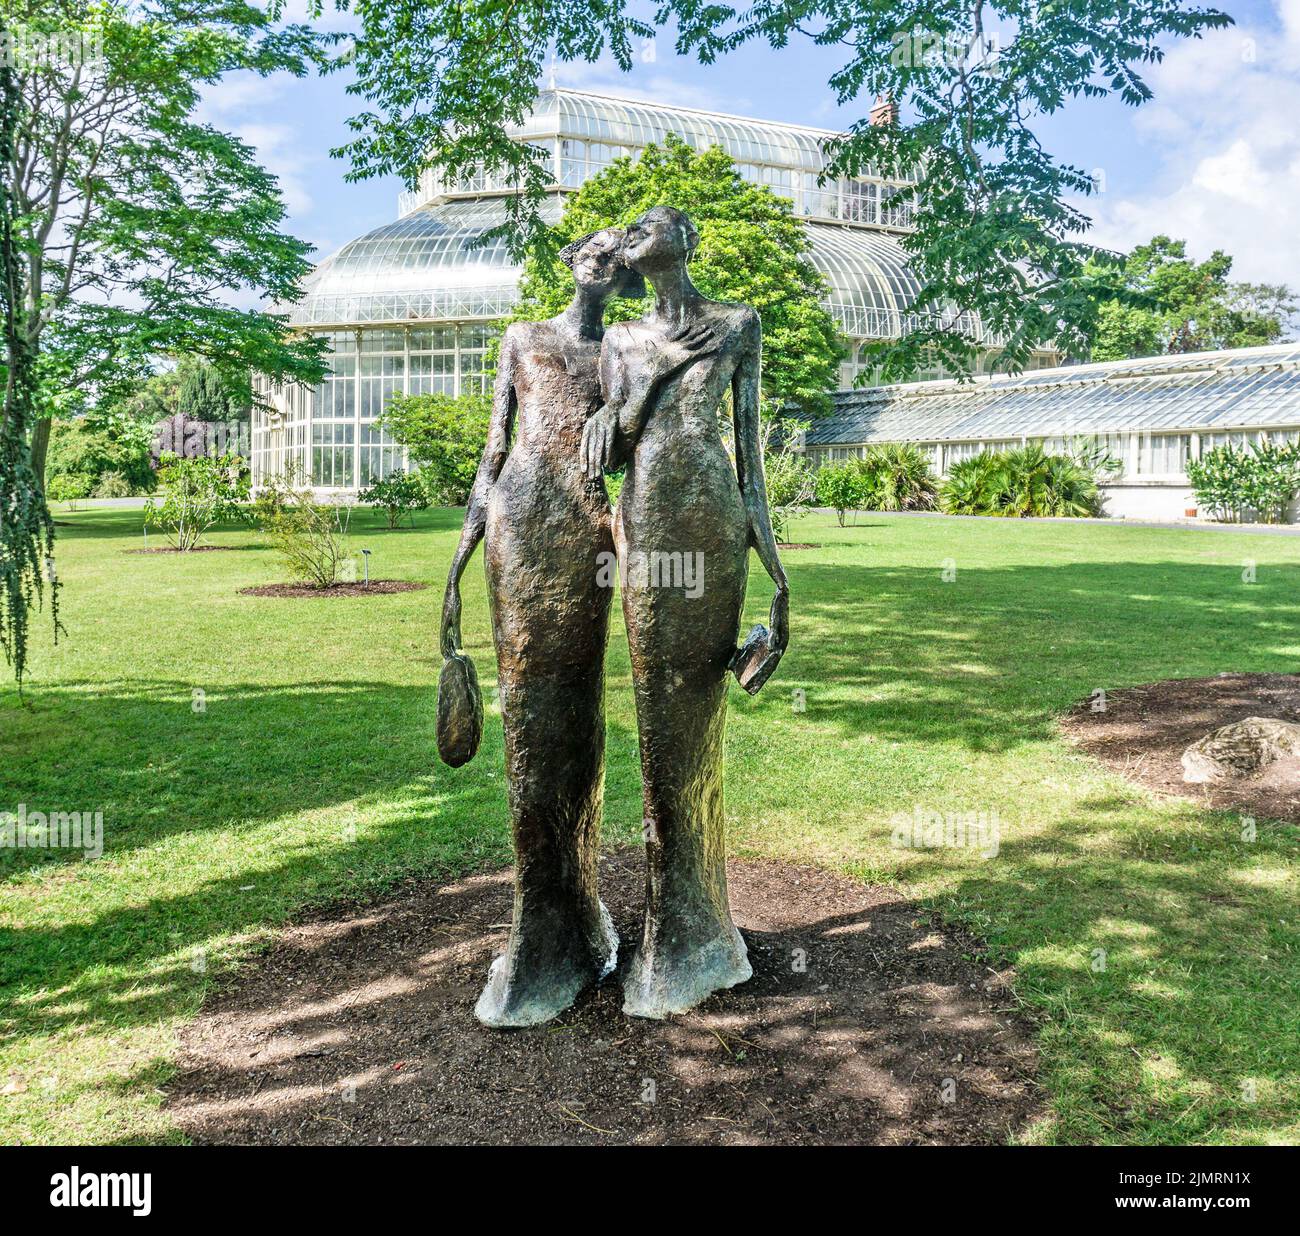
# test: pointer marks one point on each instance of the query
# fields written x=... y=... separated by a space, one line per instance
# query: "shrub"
x=840 y=486
x=93 y=447
x=1234 y=484
x=973 y=486
x=397 y=495
x=897 y=477
x=275 y=494
x=312 y=539
x=445 y=436
x=788 y=475
x=112 y=485
x=197 y=493
x=1023 y=482
x=69 y=486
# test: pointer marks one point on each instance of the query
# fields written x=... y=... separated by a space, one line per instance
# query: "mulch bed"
x=376 y=587
x=171 y=549
x=854 y=1049
x=795 y=545
x=1145 y=730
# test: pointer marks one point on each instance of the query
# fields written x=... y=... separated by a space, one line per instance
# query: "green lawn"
x=311 y=774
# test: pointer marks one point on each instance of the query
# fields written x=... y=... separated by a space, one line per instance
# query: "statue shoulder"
x=524 y=334
x=743 y=319
x=734 y=314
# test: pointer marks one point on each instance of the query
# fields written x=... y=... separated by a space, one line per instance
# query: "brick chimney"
x=883 y=112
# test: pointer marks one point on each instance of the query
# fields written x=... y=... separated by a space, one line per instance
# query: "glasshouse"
x=411 y=306
x=1150 y=415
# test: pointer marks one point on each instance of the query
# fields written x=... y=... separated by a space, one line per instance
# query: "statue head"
x=661 y=237
x=596 y=261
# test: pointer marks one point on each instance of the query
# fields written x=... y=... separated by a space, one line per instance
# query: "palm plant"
x=898 y=478
x=974 y=486
x=1021 y=483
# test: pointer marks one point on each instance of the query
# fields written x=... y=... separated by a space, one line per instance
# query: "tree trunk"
x=40 y=448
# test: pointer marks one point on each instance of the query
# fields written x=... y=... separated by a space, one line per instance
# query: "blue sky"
x=1215 y=159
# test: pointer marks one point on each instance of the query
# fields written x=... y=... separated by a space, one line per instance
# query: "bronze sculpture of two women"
x=571 y=402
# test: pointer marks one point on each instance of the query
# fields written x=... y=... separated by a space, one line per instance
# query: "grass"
x=309 y=774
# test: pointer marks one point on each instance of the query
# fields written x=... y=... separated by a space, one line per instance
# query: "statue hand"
x=686 y=344
x=598 y=441
x=451 y=621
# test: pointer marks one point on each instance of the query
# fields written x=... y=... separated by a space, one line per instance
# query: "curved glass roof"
x=428 y=266
x=1240 y=388
x=871 y=283
x=631 y=122
x=425 y=266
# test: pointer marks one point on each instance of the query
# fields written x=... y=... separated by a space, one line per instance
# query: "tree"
x=26 y=526
x=197 y=493
x=445 y=435
x=1165 y=302
x=91 y=448
x=127 y=226
x=203 y=395
x=752 y=250
x=995 y=231
x=842 y=487
x=136 y=222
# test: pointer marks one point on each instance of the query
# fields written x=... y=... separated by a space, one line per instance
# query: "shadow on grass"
x=297 y=795
x=1162 y=950
x=990 y=660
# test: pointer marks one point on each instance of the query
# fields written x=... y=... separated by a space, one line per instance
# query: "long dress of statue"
x=546 y=526
x=681 y=494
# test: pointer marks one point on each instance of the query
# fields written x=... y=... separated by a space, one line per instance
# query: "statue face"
x=598 y=266
x=656 y=239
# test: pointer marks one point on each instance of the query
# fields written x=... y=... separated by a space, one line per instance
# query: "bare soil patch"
x=376 y=587
x=1144 y=731
x=856 y=1047
x=796 y=545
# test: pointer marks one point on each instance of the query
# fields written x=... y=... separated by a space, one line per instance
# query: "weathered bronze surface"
x=683 y=497
x=686 y=521
x=545 y=525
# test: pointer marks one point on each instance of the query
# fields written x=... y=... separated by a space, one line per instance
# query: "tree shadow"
x=358 y=1028
x=292 y=795
x=899 y=653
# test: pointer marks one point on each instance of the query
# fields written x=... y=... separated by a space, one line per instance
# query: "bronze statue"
x=685 y=524
x=546 y=526
x=682 y=496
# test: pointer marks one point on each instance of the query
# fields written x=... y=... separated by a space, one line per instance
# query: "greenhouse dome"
x=411 y=306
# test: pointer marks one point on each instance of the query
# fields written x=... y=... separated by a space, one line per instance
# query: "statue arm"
x=612 y=432
x=489 y=468
x=749 y=472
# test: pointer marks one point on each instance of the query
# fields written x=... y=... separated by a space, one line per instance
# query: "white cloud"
x=647 y=81
x=279 y=150
x=1223 y=135
x=228 y=104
